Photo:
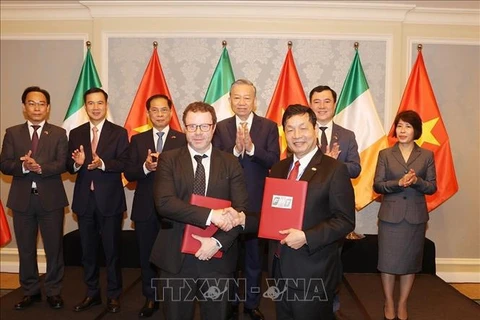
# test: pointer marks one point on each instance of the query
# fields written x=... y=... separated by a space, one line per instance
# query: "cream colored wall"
x=456 y=245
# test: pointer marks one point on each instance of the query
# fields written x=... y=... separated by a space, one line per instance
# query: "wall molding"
x=451 y=270
x=315 y=10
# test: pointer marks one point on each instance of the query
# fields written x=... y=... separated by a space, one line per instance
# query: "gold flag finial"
x=224 y=43
x=355 y=45
x=155 y=44
x=419 y=47
x=89 y=44
x=290 y=44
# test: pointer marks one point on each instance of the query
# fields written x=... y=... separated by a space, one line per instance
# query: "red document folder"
x=191 y=245
x=283 y=207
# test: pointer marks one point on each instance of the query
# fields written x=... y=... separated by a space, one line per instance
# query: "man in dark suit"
x=145 y=148
x=34 y=153
x=254 y=141
x=99 y=152
x=340 y=142
x=197 y=168
x=310 y=257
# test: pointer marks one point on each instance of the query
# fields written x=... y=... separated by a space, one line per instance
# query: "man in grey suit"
x=35 y=153
x=254 y=141
x=201 y=169
x=334 y=140
x=144 y=150
x=338 y=142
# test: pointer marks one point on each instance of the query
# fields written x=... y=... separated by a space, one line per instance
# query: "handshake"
x=227 y=218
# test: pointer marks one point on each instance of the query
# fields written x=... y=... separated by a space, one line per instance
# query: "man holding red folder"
x=201 y=169
x=309 y=258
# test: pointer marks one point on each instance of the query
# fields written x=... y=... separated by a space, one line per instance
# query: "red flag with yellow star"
x=419 y=96
x=5 y=235
x=289 y=90
x=153 y=82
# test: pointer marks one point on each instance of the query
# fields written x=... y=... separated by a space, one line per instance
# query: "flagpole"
x=353 y=235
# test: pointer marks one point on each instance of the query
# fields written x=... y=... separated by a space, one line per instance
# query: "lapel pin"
x=314 y=169
x=46 y=132
x=174 y=137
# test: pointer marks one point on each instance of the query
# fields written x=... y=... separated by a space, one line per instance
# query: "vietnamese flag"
x=289 y=90
x=419 y=97
x=5 y=235
x=153 y=82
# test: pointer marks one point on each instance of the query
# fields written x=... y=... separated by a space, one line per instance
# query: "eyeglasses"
x=204 y=127
x=32 y=104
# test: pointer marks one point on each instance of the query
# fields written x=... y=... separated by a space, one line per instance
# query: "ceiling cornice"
x=316 y=10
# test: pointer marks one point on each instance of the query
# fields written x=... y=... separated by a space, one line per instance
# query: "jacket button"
x=404 y=198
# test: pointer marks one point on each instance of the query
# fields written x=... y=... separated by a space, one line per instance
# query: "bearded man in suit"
x=35 y=153
x=144 y=151
x=201 y=169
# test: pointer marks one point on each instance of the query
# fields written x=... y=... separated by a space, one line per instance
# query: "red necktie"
x=35 y=139
x=294 y=173
x=291 y=176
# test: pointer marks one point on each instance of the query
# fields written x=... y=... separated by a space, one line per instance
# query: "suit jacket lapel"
x=312 y=167
x=232 y=129
x=397 y=154
x=335 y=136
x=416 y=152
x=168 y=140
x=215 y=164
x=106 y=130
x=185 y=162
x=43 y=137
x=25 y=137
x=255 y=129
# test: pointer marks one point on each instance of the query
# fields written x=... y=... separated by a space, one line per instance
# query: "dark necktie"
x=323 y=140
x=35 y=139
x=160 y=142
x=199 y=179
x=294 y=173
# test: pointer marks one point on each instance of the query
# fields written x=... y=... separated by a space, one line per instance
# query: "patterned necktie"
x=294 y=173
x=94 y=139
x=94 y=149
x=323 y=140
x=35 y=139
x=160 y=141
x=199 y=179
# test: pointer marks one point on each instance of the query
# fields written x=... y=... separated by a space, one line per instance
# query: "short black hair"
x=159 y=96
x=412 y=118
x=298 y=109
x=320 y=89
x=35 y=89
x=199 y=106
x=94 y=90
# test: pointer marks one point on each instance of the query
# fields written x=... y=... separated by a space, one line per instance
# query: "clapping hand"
x=152 y=160
x=30 y=164
x=408 y=179
x=96 y=162
x=334 y=152
x=78 y=155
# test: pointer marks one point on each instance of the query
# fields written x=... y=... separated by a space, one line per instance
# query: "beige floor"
x=9 y=281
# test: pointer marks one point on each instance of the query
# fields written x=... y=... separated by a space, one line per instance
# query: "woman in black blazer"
x=405 y=173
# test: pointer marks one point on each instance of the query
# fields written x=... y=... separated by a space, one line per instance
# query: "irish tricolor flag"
x=356 y=111
x=76 y=114
x=219 y=87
